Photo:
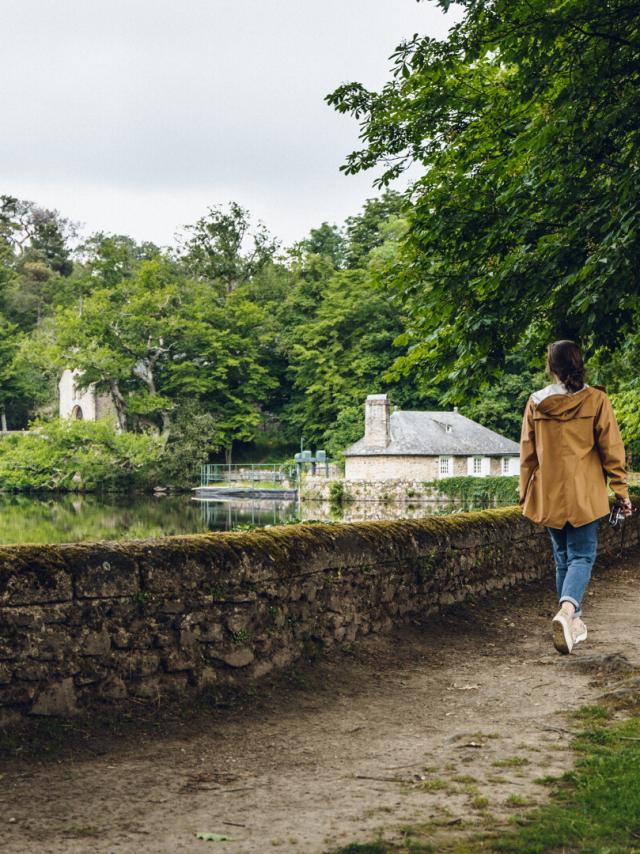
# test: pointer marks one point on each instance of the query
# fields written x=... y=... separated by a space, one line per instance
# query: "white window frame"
x=478 y=466
x=511 y=464
x=445 y=466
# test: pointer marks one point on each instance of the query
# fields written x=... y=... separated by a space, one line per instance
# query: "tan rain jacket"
x=570 y=443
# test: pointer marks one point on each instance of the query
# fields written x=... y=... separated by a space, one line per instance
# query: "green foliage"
x=524 y=226
x=479 y=490
x=596 y=807
x=336 y=492
x=73 y=456
x=626 y=405
x=215 y=249
x=155 y=339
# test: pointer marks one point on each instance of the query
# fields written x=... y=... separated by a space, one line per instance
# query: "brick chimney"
x=377 y=426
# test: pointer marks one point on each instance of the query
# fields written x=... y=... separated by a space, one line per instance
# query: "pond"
x=71 y=518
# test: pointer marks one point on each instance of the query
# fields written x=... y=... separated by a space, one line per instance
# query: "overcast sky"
x=132 y=116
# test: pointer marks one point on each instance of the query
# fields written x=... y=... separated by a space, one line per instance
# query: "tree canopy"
x=525 y=219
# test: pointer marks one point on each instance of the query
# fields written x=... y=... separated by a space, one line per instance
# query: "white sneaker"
x=579 y=631
x=563 y=632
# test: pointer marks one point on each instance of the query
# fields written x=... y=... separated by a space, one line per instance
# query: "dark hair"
x=564 y=359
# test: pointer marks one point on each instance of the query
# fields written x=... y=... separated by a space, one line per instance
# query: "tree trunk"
x=166 y=427
x=227 y=453
x=120 y=405
x=3 y=420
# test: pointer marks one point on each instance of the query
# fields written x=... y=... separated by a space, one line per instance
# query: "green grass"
x=511 y=762
x=594 y=809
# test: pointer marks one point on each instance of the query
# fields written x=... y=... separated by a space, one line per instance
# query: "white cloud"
x=134 y=115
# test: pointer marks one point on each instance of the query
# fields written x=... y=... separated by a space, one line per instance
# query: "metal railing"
x=267 y=474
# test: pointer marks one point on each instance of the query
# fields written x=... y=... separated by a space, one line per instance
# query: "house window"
x=506 y=465
x=477 y=465
x=445 y=466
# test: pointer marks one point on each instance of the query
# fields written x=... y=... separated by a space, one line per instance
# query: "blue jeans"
x=574 y=550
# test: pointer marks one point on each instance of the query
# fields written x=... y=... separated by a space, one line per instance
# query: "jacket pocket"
x=523 y=501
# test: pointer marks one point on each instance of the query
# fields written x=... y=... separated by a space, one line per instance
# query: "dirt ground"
x=448 y=724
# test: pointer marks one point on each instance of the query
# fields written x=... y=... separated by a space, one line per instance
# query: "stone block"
x=121 y=638
x=112 y=688
x=96 y=643
x=35 y=585
x=102 y=573
x=177 y=661
x=234 y=657
x=207 y=677
x=135 y=663
x=212 y=633
x=36 y=615
x=56 y=700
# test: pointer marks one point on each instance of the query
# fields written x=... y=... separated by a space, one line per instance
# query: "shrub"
x=76 y=456
x=501 y=489
x=336 y=492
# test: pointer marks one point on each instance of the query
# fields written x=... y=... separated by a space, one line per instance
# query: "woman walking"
x=570 y=444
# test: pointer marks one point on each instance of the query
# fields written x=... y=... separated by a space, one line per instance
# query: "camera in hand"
x=617 y=515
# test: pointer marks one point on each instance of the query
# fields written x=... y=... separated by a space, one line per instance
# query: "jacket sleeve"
x=528 y=454
x=611 y=448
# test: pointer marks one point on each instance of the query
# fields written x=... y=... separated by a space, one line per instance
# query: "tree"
x=525 y=220
x=365 y=231
x=328 y=241
x=45 y=233
x=224 y=250
x=155 y=339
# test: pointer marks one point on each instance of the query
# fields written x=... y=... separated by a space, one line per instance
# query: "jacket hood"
x=554 y=401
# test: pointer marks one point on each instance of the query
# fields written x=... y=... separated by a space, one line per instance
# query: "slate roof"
x=426 y=434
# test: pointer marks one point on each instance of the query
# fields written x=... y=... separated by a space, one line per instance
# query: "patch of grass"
x=596 y=807
x=547 y=780
x=479 y=802
x=516 y=801
x=594 y=714
x=464 y=778
x=511 y=762
x=436 y=784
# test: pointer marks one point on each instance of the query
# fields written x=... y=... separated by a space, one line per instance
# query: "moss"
x=278 y=542
x=286 y=545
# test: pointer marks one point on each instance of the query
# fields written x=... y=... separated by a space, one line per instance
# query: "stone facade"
x=410 y=468
x=87 y=624
x=418 y=468
x=85 y=404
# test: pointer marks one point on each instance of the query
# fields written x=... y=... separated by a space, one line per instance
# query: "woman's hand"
x=626 y=506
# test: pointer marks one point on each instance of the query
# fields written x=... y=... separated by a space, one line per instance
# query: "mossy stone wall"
x=97 y=623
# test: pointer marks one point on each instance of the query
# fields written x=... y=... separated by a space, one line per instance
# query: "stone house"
x=425 y=446
x=82 y=404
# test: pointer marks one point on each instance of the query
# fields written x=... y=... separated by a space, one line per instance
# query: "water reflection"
x=70 y=518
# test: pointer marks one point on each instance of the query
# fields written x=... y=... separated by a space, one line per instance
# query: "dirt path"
x=448 y=724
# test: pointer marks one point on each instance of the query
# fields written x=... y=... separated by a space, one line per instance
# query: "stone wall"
x=409 y=468
x=396 y=467
x=319 y=488
x=95 y=623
